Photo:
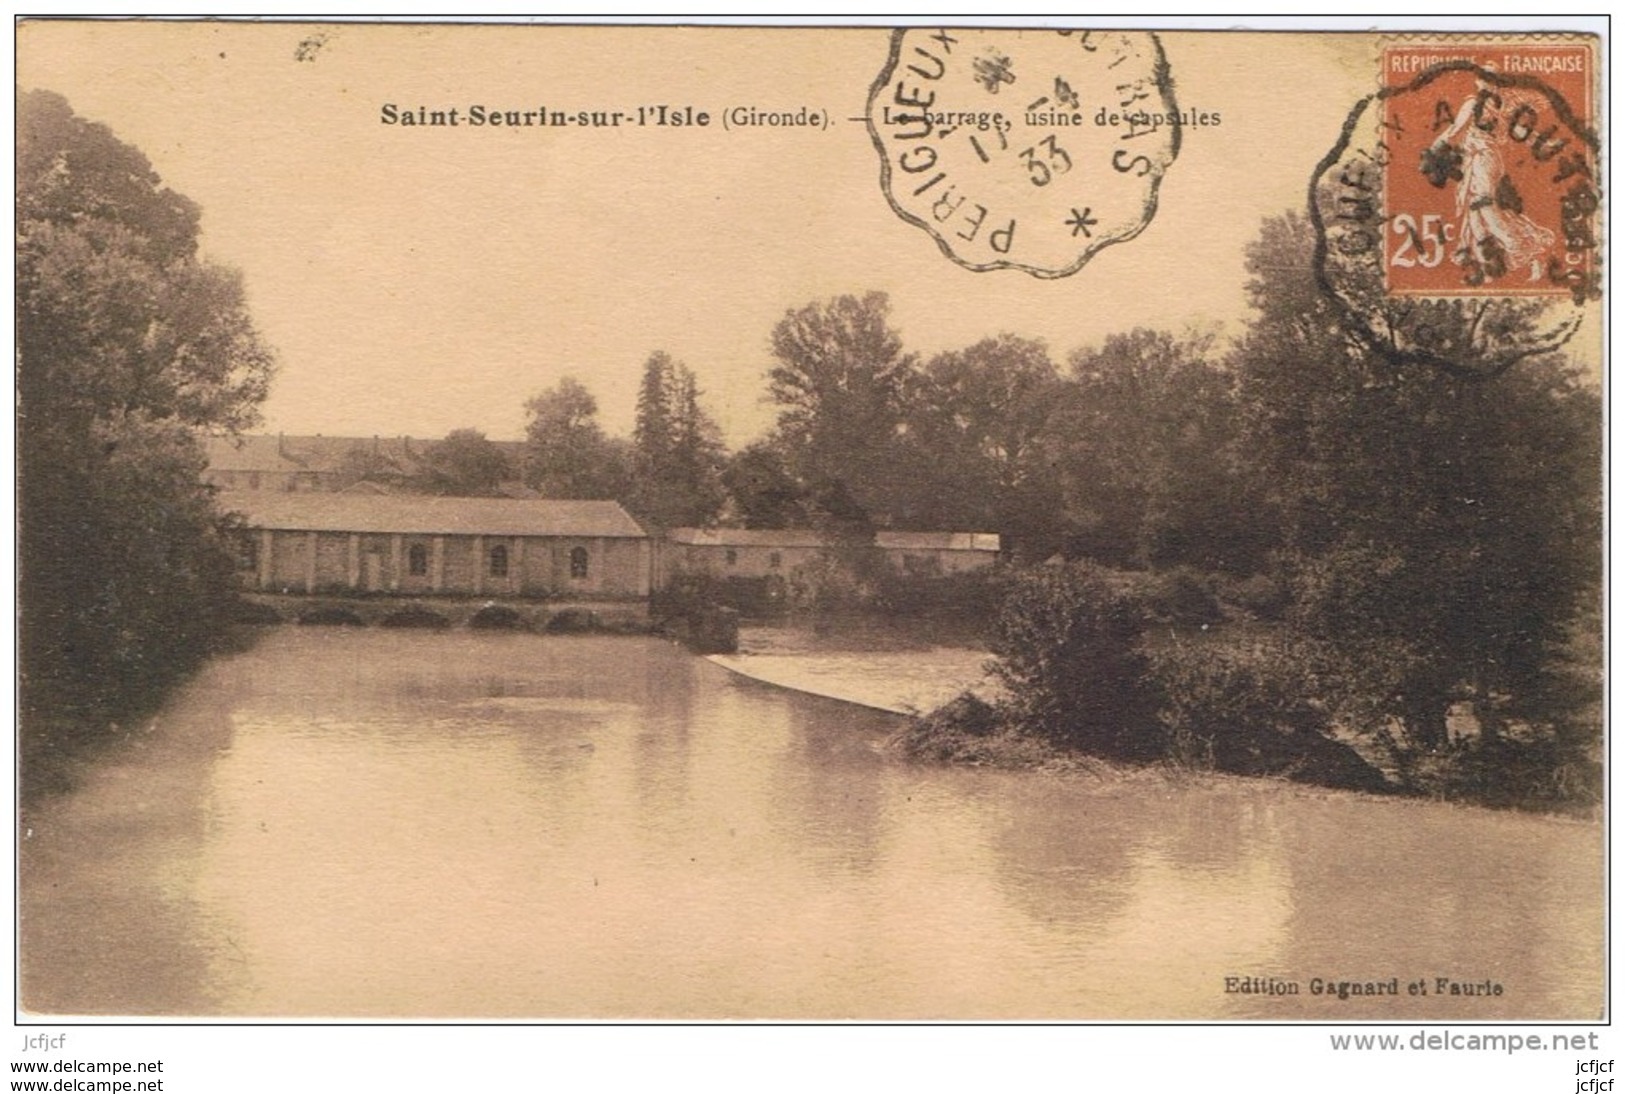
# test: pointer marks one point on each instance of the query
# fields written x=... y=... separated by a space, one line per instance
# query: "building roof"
x=746 y=537
x=319 y=454
x=428 y=515
x=802 y=537
x=250 y=452
x=937 y=541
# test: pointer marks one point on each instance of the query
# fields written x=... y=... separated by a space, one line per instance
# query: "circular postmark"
x=1455 y=217
x=1024 y=150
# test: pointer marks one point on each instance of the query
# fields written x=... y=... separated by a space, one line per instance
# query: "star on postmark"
x=1082 y=222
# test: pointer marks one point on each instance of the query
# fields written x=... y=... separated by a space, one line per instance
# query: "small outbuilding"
x=934 y=554
x=748 y=553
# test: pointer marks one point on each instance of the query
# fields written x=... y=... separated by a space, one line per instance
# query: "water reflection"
x=383 y=823
x=829 y=788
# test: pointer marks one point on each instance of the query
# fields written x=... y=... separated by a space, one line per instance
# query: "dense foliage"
x=129 y=345
x=1070 y=656
x=567 y=454
x=1440 y=532
x=464 y=464
x=1420 y=544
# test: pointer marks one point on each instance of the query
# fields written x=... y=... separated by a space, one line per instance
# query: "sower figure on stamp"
x=1494 y=235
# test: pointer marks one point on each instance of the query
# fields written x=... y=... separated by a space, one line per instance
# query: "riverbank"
x=945 y=690
x=894 y=667
x=886 y=668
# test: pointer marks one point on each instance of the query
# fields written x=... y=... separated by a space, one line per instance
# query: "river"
x=372 y=823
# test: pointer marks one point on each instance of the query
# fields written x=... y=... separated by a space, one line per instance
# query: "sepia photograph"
x=809 y=524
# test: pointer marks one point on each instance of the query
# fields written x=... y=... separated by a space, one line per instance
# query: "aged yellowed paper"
x=1238 y=393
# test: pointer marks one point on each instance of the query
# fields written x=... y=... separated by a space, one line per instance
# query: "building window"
x=499 y=561
x=732 y=556
x=775 y=560
x=578 y=562
x=417 y=560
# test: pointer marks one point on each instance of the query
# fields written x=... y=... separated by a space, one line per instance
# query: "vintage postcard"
x=602 y=522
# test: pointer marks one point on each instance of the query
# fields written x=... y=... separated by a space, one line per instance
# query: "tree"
x=566 y=452
x=976 y=423
x=761 y=489
x=366 y=462
x=653 y=432
x=677 y=447
x=464 y=464
x=840 y=378
x=1143 y=441
x=1442 y=526
x=128 y=347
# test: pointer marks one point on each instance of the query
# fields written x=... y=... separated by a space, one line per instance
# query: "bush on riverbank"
x=968 y=730
x=752 y=597
x=1252 y=710
x=972 y=595
x=1079 y=679
x=703 y=611
x=1070 y=651
x=1082 y=679
x=1537 y=772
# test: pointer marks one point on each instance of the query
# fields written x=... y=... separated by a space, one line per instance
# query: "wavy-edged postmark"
x=1024 y=150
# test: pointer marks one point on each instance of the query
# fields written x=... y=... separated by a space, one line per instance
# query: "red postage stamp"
x=1491 y=186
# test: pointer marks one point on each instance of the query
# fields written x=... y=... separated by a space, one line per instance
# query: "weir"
x=445 y=612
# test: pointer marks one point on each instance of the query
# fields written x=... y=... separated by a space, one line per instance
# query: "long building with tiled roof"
x=364 y=543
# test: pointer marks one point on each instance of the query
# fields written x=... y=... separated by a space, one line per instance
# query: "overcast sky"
x=416 y=280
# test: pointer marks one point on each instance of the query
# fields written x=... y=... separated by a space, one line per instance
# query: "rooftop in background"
x=938 y=541
x=428 y=515
x=316 y=452
x=745 y=537
x=803 y=537
x=251 y=452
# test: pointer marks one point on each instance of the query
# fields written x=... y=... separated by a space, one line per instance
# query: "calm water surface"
x=375 y=823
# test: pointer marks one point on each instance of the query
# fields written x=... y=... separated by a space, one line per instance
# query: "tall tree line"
x=1132 y=456
x=1433 y=533
x=129 y=346
x=1436 y=531
x=1440 y=529
x=677 y=449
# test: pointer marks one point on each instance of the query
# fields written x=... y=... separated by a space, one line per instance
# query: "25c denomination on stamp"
x=1026 y=150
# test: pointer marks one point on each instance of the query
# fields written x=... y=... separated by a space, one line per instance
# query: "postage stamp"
x=1028 y=151
x=1472 y=174
x=1494 y=186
